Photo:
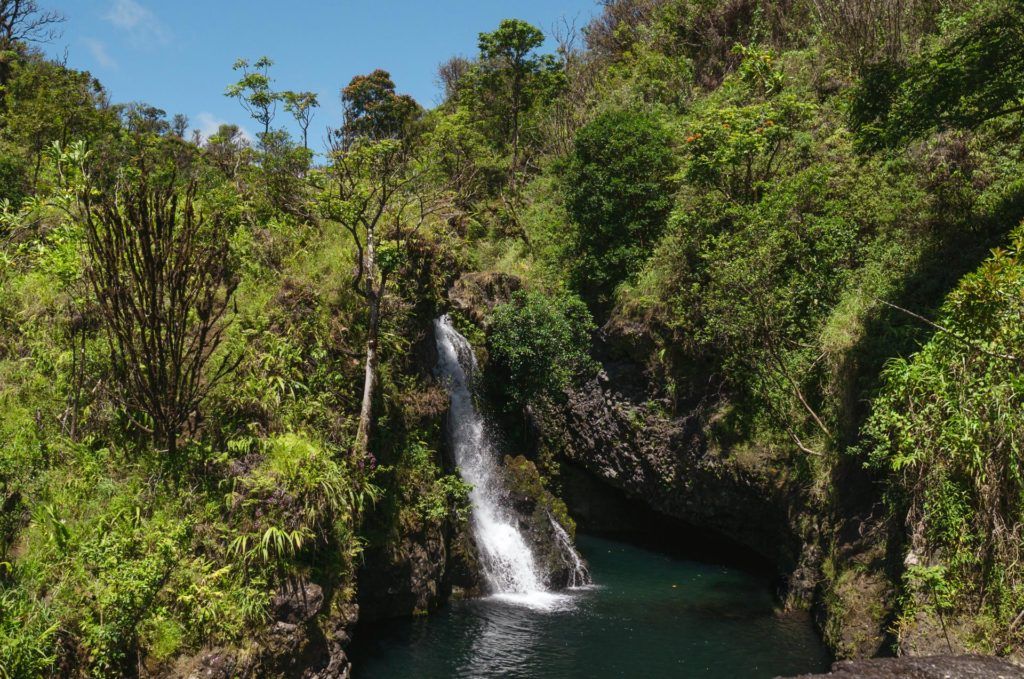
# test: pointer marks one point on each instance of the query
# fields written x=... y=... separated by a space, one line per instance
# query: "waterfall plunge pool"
x=648 y=614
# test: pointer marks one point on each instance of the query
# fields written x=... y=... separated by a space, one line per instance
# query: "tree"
x=253 y=91
x=179 y=125
x=160 y=271
x=302 y=106
x=450 y=75
x=738 y=150
x=971 y=75
x=867 y=32
x=619 y=190
x=373 y=110
x=141 y=118
x=46 y=102
x=23 y=21
x=510 y=78
x=538 y=344
x=614 y=32
x=375 y=196
x=226 y=148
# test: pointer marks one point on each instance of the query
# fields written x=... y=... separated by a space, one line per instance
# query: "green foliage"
x=374 y=111
x=969 y=75
x=301 y=105
x=509 y=80
x=738 y=150
x=434 y=497
x=944 y=429
x=314 y=493
x=253 y=91
x=538 y=345
x=618 y=190
x=703 y=173
x=14 y=173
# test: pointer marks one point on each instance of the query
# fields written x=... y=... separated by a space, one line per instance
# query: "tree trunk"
x=373 y=298
x=362 y=447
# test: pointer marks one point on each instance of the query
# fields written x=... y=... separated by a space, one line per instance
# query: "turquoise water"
x=648 y=615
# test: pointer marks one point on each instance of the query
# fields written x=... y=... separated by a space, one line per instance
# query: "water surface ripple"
x=647 y=615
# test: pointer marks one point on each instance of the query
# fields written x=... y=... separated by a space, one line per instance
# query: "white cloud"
x=208 y=124
x=142 y=26
x=98 y=50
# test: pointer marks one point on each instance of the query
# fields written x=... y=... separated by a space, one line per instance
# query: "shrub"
x=537 y=345
x=945 y=430
x=618 y=188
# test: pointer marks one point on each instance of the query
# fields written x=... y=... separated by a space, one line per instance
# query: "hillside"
x=752 y=266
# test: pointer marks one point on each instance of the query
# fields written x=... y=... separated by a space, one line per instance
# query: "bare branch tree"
x=159 y=271
x=24 y=21
x=868 y=31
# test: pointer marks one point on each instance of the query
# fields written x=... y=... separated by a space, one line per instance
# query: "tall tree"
x=253 y=91
x=302 y=106
x=179 y=125
x=510 y=78
x=142 y=118
x=376 y=197
x=374 y=111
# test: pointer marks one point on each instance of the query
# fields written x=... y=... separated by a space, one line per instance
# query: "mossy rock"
x=536 y=506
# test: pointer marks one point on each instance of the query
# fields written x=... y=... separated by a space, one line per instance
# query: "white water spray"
x=579 y=575
x=508 y=563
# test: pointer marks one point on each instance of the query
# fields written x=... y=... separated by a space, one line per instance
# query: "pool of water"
x=648 y=614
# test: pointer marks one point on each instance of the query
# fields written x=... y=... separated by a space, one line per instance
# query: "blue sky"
x=177 y=54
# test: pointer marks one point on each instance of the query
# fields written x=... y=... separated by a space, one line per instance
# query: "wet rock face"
x=304 y=641
x=407 y=577
x=535 y=508
x=611 y=428
x=930 y=667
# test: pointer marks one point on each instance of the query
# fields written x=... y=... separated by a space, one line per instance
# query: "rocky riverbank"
x=926 y=667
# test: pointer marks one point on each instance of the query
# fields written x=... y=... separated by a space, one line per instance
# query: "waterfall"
x=509 y=566
x=579 y=576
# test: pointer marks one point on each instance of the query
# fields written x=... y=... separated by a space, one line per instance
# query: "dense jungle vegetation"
x=215 y=373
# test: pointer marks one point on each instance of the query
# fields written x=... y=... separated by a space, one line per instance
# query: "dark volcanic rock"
x=302 y=642
x=613 y=430
x=299 y=604
x=930 y=667
x=407 y=576
x=536 y=507
x=476 y=294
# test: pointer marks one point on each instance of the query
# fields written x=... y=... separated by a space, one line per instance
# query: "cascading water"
x=508 y=563
x=579 y=575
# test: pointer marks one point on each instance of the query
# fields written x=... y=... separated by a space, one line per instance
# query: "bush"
x=538 y=345
x=618 y=189
x=945 y=430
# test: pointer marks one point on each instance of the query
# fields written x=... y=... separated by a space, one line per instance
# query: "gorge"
x=685 y=339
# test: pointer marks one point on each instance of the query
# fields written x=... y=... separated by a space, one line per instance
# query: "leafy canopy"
x=619 y=190
x=538 y=344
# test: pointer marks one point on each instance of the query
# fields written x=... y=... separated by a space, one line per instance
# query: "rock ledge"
x=929 y=667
